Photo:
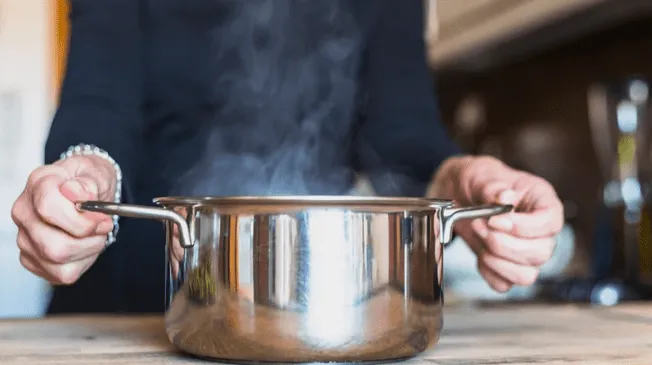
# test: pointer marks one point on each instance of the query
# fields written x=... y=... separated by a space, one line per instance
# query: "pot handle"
x=140 y=211
x=450 y=216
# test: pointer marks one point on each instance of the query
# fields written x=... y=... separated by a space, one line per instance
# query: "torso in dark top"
x=262 y=97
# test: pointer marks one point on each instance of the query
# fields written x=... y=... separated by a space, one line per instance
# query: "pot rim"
x=306 y=201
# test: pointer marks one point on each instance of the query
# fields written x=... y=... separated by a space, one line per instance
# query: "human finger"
x=31 y=265
x=25 y=244
x=513 y=273
x=474 y=235
x=468 y=231
x=57 y=210
x=531 y=252
x=69 y=273
x=56 y=274
x=495 y=281
x=175 y=251
x=490 y=192
x=539 y=213
x=542 y=223
x=54 y=245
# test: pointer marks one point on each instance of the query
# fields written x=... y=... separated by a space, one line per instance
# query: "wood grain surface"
x=533 y=334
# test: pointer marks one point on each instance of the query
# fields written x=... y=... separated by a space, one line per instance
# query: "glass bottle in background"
x=621 y=127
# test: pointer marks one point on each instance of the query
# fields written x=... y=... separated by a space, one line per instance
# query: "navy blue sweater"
x=290 y=97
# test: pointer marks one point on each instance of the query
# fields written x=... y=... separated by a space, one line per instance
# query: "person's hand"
x=510 y=247
x=56 y=241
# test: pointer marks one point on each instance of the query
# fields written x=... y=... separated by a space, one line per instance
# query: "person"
x=148 y=82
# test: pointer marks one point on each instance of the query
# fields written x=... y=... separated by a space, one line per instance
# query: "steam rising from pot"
x=288 y=104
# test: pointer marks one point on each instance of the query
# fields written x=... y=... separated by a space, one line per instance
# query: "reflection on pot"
x=268 y=279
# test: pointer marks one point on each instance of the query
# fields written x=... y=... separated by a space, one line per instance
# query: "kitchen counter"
x=501 y=334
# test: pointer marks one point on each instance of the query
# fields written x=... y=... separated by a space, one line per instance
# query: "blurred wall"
x=26 y=107
x=534 y=115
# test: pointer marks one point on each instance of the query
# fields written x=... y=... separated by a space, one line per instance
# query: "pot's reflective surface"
x=323 y=284
x=303 y=279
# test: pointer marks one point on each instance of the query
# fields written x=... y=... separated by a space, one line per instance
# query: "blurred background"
x=30 y=55
x=554 y=87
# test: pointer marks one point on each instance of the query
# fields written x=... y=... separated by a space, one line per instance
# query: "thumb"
x=83 y=188
x=80 y=189
x=507 y=196
x=497 y=192
x=89 y=179
x=503 y=222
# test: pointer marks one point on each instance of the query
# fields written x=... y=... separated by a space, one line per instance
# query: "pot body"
x=320 y=284
x=303 y=279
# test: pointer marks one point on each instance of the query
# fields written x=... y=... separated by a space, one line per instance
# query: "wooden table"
x=534 y=334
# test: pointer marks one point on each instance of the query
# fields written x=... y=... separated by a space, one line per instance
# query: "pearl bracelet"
x=91 y=150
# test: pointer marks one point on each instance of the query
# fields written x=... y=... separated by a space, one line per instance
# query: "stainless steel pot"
x=303 y=279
